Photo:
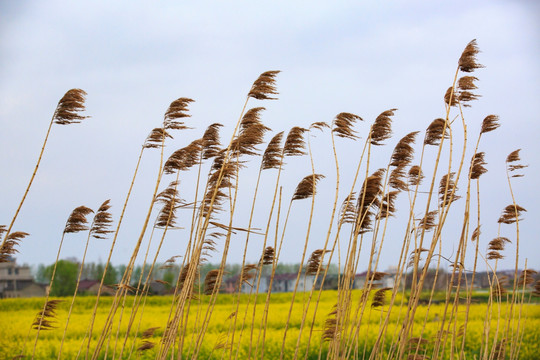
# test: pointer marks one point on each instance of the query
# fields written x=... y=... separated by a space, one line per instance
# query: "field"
x=18 y=314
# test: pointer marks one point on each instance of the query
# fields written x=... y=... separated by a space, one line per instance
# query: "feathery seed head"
x=490 y=123
x=467 y=61
x=265 y=86
x=343 y=125
x=67 y=111
x=77 y=220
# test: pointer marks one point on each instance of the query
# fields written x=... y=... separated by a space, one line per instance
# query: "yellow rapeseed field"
x=17 y=338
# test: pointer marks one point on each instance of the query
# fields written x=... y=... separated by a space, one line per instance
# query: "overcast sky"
x=133 y=58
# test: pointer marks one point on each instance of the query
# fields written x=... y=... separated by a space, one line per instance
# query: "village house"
x=91 y=287
x=230 y=285
x=17 y=281
x=286 y=282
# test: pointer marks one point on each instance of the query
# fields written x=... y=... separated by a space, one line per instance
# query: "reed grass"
x=399 y=323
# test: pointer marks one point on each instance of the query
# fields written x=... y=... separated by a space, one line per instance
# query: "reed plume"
x=265 y=86
x=331 y=331
x=511 y=214
x=319 y=125
x=268 y=255
x=428 y=222
x=478 y=165
x=381 y=129
x=146 y=344
x=490 y=123
x=314 y=261
x=434 y=132
x=467 y=62
x=177 y=110
x=536 y=291
x=379 y=298
x=343 y=125
x=8 y=248
x=67 y=112
x=511 y=159
x=403 y=153
x=250 y=135
x=155 y=138
x=77 y=220
x=368 y=201
x=388 y=202
x=210 y=141
x=466 y=96
x=307 y=187
x=526 y=277
x=499 y=352
x=102 y=221
x=184 y=159
x=98 y=230
x=450 y=97
x=210 y=282
x=476 y=234
x=447 y=190
x=170 y=200
x=69 y=108
x=295 y=144
x=45 y=319
x=495 y=246
x=247 y=274
x=348 y=210
x=272 y=156
x=467 y=83
x=415 y=175
x=396 y=180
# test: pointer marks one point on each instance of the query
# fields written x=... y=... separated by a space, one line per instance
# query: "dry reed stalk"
x=294 y=146
x=153 y=140
x=344 y=123
x=305 y=189
x=477 y=168
x=67 y=112
x=436 y=135
x=76 y=222
x=447 y=191
x=166 y=219
x=402 y=156
x=262 y=89
x=98 y=230
x=271 y=159
x=511 y=214
x=251 y=134
x=175 y=111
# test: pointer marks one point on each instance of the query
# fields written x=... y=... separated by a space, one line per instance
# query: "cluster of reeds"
x=358 y=224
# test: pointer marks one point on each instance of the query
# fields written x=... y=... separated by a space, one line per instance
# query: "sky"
x=134 y=58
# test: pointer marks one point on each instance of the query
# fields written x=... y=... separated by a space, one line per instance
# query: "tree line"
x=67 y=272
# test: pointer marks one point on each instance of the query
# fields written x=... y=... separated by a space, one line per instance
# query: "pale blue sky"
x=135 y=57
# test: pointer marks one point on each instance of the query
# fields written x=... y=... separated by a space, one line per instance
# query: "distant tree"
x=41 y=274
x=170 y=278
x=110 y=276
x=65 y=279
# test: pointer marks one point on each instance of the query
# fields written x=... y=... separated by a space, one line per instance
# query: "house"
x=91 y=287
x=17 y=281
x=230 y=285
x=286 y=282
x=387 y=281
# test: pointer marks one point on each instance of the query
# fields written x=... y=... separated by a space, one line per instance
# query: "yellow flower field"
x=17 y=338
